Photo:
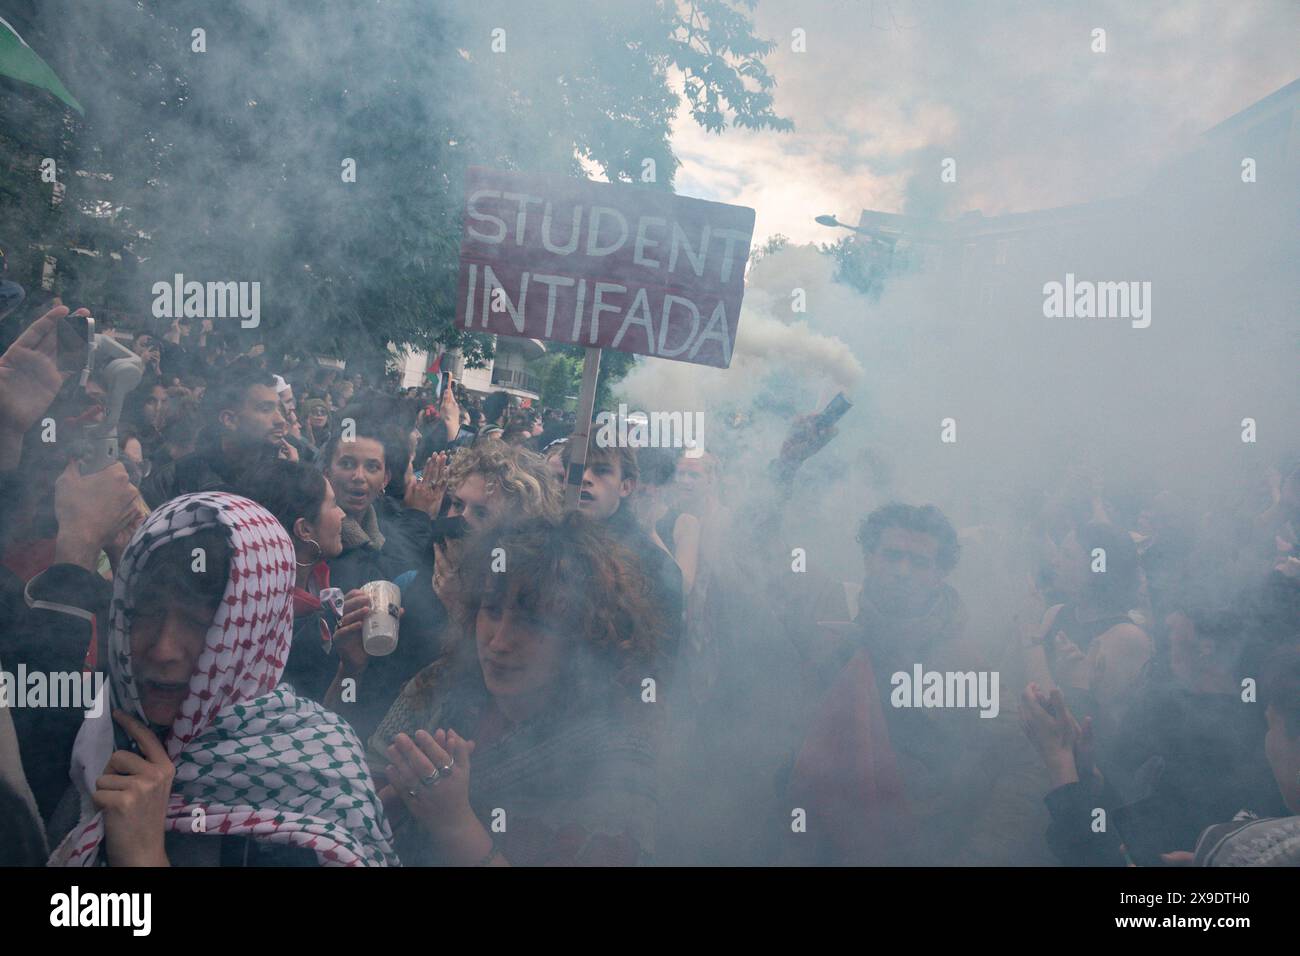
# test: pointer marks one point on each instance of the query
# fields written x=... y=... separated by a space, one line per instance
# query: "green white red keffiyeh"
x=256 y=759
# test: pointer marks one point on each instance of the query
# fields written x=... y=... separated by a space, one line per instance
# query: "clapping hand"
x=430 y=773
x=1052 y=729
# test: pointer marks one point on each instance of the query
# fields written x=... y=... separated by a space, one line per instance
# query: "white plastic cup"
x=379 y=629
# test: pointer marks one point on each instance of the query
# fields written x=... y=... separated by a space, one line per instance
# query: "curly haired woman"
x=547 y=702
x=487 y=483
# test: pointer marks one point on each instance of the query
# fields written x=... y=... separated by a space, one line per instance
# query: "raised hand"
x=804 y=440
x=426 y=493
x=92 y=512
x=30 y=376
x=449 y=410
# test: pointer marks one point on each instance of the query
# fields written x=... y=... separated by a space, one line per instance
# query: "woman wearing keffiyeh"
x=209 y=743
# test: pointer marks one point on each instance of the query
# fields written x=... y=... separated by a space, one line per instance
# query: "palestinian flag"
x=20 y=62
x=434 y=373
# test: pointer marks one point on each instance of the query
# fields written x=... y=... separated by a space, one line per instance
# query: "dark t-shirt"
x=665 y=527
x=665 y=576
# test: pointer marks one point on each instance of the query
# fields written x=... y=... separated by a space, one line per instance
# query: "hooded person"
x=237 y=768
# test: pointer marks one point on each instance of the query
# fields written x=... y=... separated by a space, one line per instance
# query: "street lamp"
x=871 y=235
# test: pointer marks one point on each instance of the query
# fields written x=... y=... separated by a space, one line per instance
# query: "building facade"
x=507 y=372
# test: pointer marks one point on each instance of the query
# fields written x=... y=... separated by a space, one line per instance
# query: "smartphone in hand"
x=75 y=333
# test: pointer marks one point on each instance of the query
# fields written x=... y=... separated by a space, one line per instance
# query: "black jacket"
x=419 y=635
x=665 y=576
x=1071 y=834
x=206 y=469
x=408 y=536
x=49 y=640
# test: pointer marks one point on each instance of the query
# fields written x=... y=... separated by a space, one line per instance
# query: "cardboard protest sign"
x=602 y=265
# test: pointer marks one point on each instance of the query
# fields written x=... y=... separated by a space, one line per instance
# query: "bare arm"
x=1035 y=652
x=1119 y=656
x=334 y=697
x=686 y=539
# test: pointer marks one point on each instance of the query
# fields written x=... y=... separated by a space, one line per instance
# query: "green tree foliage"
x=862 y=264
x=775 y=243
x=558 y=376
x=227 y=164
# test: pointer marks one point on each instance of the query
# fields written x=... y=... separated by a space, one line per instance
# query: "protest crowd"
x=647 y=679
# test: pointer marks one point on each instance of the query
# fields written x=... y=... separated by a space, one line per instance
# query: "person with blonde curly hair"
x=546 y=696
x=485 y=483
x=492 y=478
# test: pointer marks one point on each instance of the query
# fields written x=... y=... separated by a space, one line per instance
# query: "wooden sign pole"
x=582 y=430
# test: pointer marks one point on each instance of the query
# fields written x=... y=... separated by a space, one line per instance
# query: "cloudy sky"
x=1011 y=90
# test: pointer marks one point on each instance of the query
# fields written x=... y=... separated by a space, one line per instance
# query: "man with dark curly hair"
x=871 y=776
x=907 y=550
